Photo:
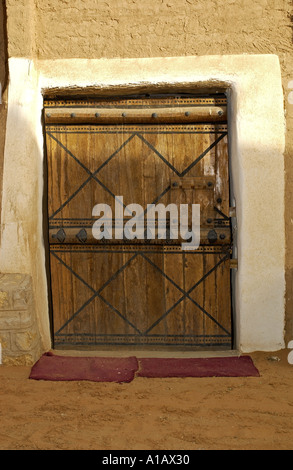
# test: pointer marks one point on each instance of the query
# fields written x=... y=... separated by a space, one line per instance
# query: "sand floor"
x=150 y=414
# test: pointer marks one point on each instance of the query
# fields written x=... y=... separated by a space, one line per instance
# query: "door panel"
x=138 y=292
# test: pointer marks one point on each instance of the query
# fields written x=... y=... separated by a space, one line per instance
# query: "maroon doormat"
x=200 y=367
x=94 y=369
x=109 y=369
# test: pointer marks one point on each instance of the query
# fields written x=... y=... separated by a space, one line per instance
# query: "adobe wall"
x=58 y=29
x=3 y=82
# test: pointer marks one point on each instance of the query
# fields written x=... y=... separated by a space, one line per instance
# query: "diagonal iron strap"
x=195 y=162
x=221 y=213
x=198 y=159
x=92 y=175
x=97 y=293
x=159 y=154
x=187 y=295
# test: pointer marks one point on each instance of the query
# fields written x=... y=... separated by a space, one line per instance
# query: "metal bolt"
x=124 y=114
x=187 y=113
x=210 y=184
x=212 y=236
x=154 y=115
x=72 y=115
x=220 y=113
x=48 y=115
x=219 y=200
x=209 y=221
x=97 y=115
x=222 y=236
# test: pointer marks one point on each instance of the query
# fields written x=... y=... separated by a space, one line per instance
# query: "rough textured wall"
x=49 y=29
x=135 y=28
x=3 y=45
x=3 y=81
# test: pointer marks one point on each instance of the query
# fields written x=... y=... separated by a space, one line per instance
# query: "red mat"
x=94 y=369
x=200 y=367
x=109 y=369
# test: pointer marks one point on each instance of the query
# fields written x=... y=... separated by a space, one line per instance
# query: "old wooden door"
x=148 y=150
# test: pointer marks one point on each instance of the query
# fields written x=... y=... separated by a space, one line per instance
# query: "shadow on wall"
x=4 y=83
x=289 y=229
x=291 y=18
x=3 y=46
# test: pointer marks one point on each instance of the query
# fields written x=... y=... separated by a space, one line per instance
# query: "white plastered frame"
x=257 y=142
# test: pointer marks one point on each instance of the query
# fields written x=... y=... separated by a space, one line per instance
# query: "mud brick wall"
x=3 y=81
x=19 y=335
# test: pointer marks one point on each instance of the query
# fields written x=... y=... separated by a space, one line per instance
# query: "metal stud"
x=61 y=236
x=124 y=114
x=187 y=113
x=154 y=115
x=97 y=115
x=219 y=200
x=212 y=236
x=82 y=236
x=72 y=115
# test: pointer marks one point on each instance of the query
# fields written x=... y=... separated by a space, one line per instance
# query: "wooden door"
x=138 y=292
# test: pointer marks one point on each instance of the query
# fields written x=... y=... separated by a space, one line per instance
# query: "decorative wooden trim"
x=154 y=101
x=139 y=115
x=207 y=128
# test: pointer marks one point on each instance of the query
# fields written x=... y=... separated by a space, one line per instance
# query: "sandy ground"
x=150 y=414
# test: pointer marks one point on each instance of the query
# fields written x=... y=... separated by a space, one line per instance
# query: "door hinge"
x=232 y=211
x=233 y=263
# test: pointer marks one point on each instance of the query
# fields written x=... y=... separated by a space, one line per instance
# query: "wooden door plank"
x=138 y=292
x=98 y=115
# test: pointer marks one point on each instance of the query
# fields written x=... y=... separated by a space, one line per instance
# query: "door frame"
x=257 y=142
x=144 y=95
